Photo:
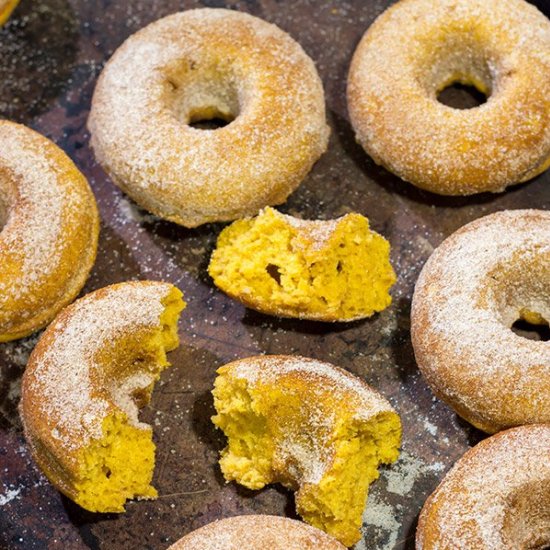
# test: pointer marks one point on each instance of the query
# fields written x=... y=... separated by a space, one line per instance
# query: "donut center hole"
x=532 y=326
x=202 y=97
x=209 y=119
x=461 y=96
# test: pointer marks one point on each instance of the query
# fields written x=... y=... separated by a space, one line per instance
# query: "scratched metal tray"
x=51 y=53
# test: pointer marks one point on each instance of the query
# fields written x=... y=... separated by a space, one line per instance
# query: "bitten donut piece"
x=92 y=369
x=49 y=227
x=313 y=427
x=257 y=533
x=496 y=496
x=204 y=64
x=417 y=48
x=337 y=270
x=6 y=9
x=489 y=274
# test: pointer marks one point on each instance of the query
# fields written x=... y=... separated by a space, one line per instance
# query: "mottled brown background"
x=51 y=53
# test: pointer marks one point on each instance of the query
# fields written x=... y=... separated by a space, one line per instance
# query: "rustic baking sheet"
x=51 y=53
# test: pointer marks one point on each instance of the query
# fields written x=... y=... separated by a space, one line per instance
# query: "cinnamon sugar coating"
x=482 y=279
x=204 y=64
x=417 y=48
x=257 y=532
x=496 y=496
x=49 y=228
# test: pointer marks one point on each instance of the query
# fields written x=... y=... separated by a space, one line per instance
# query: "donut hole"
x=202 y=97
x=210 y=119
x=526 y=522
x=532 y=326
x=457 y=70
x=461 y=96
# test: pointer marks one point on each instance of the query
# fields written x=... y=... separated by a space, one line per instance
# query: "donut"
x=49 y=227
x=487 y=275
x=6 y=9
x=417 y=48
x=204 y=64
x=496 y=496
x=91 y=370
x=257 y=532
x=335 y=270
x=311 y=426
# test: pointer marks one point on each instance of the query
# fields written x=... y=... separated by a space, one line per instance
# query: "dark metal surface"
x=50 y=55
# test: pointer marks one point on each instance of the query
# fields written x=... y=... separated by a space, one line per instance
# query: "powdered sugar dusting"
x=63 y=386
x=471 y=290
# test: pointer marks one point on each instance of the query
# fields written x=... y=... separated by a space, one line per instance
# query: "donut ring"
x=257 y=532
x=202 y=64
x=317 y=429
x=483 y=278
x=91 y=370
x=417 y=48
x=496 y=496
x=49 y=227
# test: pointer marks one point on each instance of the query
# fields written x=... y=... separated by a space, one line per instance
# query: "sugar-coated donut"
x=6 y=9
x=487 y=275
x=91 y=370
x=257 y=532
x=324 y=270
x=49 y=228
x=311 y=426
x=417 y=48
x=496 y=497
x=204 y=64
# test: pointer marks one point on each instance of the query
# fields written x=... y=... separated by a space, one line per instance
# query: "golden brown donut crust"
x=199 y=64
x=496 y=496
x=49 y=227
x=418 y=47
x=86 y=366
x=257 y=532
x=476 y=284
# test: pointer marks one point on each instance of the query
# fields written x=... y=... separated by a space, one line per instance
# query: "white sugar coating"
x=34 y=204
x=418 y=47
x=66 y=394
x=319 y=231
x=496 y=496
x=48 y=218
x=257 y=532
x=195 y=65
x=472 y=289
x=366 y=402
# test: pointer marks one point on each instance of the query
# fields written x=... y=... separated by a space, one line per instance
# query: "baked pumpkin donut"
x=203 y=64
x=257 y=532
x=6 y=9
x=323 y=270
x=311 y=426
x=91 y=370
x=496 y=496
x=49 y=228
x=489 y=274
x=417 y=48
